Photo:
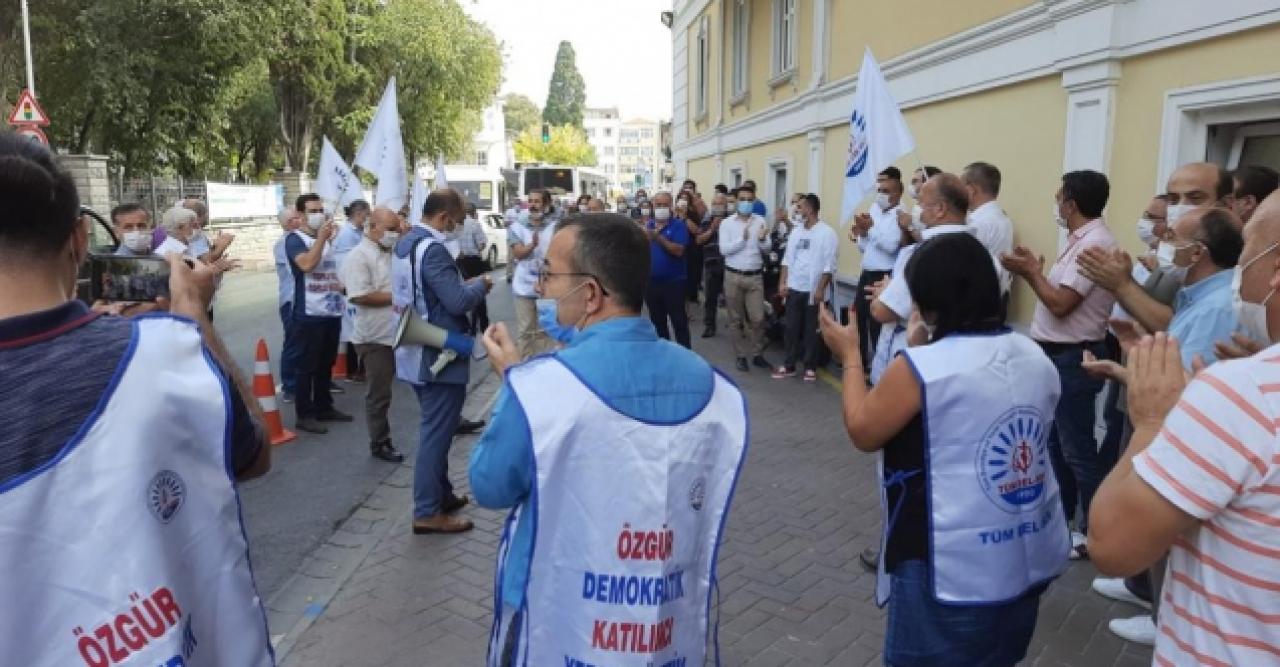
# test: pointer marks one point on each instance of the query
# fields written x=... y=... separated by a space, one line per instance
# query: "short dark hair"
x=41 y=206
x=813 y=201
x=1225 y=184
x=614 y=250
x=733 y=193
x=892 y=172
x=1220 y=234
x=300 y=204
x=545 y=195
x=1256 y=180
x=125 y=209
x=749 y=186
x=445 y=200
x=929 y=171
x=356 y=206
x=951 y=190
x=953 y=277
x=722 y=189
x=689 y=182
x=984 y=176
x=1088 y=189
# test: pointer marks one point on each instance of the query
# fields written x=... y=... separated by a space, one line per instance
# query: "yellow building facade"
x=763 y=89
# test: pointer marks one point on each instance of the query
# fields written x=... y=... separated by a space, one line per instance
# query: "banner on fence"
x=242 y=201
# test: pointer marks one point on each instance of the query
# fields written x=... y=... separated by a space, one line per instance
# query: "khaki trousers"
x=744 y=299
x=380 y=372
x=530 y=339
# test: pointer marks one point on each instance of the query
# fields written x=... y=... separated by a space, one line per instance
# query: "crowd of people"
x=992 y=470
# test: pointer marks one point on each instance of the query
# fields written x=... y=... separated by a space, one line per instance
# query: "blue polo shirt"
x=628 y=366
x=663 y=266
x=1202 y=316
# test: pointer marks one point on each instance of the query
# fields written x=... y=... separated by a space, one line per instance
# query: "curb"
x=302 y=599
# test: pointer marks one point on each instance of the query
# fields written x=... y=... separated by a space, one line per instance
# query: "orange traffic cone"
x=339 y=370
x=264 y=389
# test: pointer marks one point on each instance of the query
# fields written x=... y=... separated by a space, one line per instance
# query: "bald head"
x=384 y=219
x=1263 y=229
x=1197 y=184
x=944 y=200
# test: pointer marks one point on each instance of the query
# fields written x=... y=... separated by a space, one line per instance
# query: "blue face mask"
x=745 y=207
x=549 y=318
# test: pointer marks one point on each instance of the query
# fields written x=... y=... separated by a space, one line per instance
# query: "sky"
x=622 y=49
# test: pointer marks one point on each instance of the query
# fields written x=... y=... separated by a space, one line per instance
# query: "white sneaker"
x=1139 y=629
x=1115 y=589
x=1078 y=545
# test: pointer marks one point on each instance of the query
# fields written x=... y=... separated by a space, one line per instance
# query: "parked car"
x=495 y=230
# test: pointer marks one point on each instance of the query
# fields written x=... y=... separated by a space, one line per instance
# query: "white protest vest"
x=322 y=289
x=127 y=548
x=996 y=522
x=405 y=297
x=627 y=518
x=525 y=277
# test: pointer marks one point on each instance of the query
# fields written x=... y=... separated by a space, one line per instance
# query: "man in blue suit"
x=426 y=278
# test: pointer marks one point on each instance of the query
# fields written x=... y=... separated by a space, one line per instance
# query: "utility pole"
x=26 y=42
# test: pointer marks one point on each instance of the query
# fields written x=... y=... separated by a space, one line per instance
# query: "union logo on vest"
x=1012 y=461
x=165 y=495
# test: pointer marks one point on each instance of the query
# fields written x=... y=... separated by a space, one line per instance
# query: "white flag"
x=442 y=181
x=418 y=200
x=335 y=180
x=382 y=152
x=878 y=135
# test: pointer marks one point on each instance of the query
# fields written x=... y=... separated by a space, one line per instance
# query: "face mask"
x=1251 y=316
x=1147 y=230
x=139 y=242
x=388 y=240
x=1177 y=211
x=1057 y=216
x=882 y=200
x=646 y=212
x=549 y=318
x=745 y=207
x=1165 y=254
x=315 y=221
x=917 y=219
x=662 y=213
x=912 y=191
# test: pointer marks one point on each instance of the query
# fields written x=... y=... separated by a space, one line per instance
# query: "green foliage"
x=568 y=146
x=567 y=94
x=520 y=113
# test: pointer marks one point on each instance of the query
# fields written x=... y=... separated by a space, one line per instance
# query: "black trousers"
x=713 y=288
x=317 y=342
x=471 y=266
x=665 y=301
x=801 y=337
x=868 y=328
x=693 y=261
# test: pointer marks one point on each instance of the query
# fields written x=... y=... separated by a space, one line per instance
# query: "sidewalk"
x=792 y=590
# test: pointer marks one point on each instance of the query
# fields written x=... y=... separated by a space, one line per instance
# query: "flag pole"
x=26 y=47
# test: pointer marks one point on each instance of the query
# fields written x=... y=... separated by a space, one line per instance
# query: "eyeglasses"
x=545 y=272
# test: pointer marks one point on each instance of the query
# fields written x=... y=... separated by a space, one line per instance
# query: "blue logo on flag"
x=858 y=145
x=1013 y=460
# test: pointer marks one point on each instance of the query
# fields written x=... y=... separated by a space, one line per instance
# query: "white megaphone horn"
x=413 y=330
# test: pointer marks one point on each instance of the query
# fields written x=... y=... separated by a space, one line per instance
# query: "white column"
x=718 y=166
x=820 y=40
x=1091 y=112
x=817 y=152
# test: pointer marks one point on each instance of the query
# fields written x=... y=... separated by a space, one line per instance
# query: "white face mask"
x=315 y=221
x=646 y=212
x=1147 y=231
x=912 y=191
x=388 y=240
x=1057 y=215
x=1251 y=316
x=1165 y=254
x=1177 y=211
x=662 y=213
x=138 y=242
x=882 y=200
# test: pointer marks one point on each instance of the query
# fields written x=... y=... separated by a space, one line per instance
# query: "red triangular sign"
x=27 y=111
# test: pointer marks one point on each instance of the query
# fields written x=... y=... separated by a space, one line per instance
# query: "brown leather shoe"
x=454 y=503
x=441 y=523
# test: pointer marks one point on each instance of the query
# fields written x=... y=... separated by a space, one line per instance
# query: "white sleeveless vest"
x=996 y=524
x=627 y=518
x=525 y=277
x=322 y=289
x=404 y=296
x=127 y=548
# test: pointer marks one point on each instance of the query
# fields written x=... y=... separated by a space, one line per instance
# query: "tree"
x=567 y=95
x=306 y=65
x=520 y=113
x=568 y=146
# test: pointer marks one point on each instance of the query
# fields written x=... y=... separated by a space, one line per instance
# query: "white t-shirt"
x=896 y=296
x=881 y=244
x=811 y=252
x=525 y=277
x=366 y=270
x=743 y=254
x=994 y=230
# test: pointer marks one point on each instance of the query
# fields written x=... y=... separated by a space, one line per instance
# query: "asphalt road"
x=316 y=481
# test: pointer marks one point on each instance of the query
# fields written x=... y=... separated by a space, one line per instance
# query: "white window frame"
x=771 y=195
x=1189 y=112
x=1237 y=145
x=784 y=41
x=736 y=176
x=741 y=69
x=702 y=49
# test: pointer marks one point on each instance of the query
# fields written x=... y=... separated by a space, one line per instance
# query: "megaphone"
x=413 y=330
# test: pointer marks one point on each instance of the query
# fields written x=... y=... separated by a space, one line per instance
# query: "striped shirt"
x=1217 y=459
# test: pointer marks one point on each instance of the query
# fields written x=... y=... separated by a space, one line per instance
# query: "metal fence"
x=156 y=193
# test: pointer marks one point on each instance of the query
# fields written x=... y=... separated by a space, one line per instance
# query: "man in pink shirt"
x=1071 y=318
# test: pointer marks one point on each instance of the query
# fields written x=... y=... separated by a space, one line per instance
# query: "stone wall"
x=255 y=239
x=90 y=174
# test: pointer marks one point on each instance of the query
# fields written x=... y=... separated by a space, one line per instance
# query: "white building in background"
x=640 y=156
x=602 y=127
x=490 y=147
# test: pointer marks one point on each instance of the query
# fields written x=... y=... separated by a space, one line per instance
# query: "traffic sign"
x=33 y=133
x=28 y=112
